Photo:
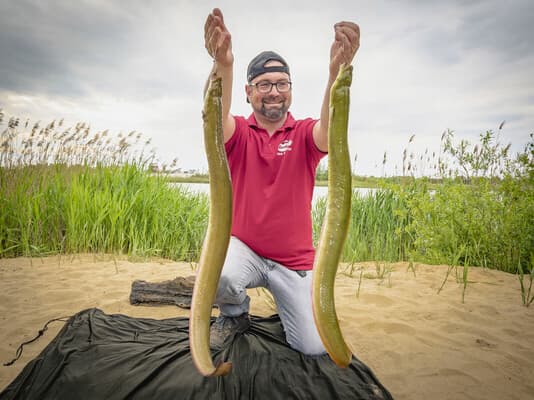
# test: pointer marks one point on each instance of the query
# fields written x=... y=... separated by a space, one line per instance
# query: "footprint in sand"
x=377 y=300
x=457 y=377
x=512 y=332
x=390 y=328
x=484 y=344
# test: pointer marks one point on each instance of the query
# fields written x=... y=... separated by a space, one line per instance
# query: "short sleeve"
x=240 y=128
x=313 y=151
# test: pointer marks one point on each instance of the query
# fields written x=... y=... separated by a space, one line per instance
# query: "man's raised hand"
x=346 y=44
x=217 y=39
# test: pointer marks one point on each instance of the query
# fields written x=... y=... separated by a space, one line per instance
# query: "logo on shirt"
x=284 y=147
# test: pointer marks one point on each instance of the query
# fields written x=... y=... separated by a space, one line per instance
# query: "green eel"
x=336 y=221
x=217 y=235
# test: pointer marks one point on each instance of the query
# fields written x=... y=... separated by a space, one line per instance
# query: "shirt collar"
x=288 y=124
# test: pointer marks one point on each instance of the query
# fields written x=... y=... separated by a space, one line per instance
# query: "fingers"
x=347 y=41
x=212 y=40
x=349 y=33
x=214 y=20
x=348 y=25
x=224 y=42
x=218 y=13
x=207 y=24
x=216 y=36
x=218 y=42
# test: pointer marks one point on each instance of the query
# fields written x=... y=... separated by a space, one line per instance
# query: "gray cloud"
x=450 y=30
x=75 y=48
x=503 y=27
x=43 y=44
x=423 y=67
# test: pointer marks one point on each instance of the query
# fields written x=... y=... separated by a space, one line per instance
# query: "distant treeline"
x=358 y=181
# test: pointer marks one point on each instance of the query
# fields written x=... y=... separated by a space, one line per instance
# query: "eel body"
x=217 y=235
x=336 y=221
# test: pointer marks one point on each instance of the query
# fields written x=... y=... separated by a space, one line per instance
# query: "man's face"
x=274 y=104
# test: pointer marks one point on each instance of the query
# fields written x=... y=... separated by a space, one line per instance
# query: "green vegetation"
x=478 y=212
x=108 y=203
x=65 y=190
x=526 y=291
x=196 y=178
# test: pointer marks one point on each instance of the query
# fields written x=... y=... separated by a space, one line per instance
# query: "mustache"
x=273 y=100
x=275 y=97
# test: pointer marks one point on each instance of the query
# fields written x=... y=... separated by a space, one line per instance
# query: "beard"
x=274 y=113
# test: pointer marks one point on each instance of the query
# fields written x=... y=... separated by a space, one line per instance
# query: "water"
x=318 y=191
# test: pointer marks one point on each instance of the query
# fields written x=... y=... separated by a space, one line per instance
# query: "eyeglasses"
x=266 y=86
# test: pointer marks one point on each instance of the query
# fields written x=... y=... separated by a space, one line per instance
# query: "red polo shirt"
x=272 y=180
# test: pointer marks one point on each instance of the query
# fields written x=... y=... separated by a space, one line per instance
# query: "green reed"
x=121 y=209
x=66 y=190
x=475 y=218
x=527 y=296
x=376 y=228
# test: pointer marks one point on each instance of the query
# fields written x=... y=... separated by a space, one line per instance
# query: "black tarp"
x=100 y=356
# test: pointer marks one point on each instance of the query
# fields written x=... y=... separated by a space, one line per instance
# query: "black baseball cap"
x=257 y=66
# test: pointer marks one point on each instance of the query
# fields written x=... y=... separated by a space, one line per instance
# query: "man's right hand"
x=217 y=39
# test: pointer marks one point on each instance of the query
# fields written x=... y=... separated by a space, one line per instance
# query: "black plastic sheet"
x=100 y=356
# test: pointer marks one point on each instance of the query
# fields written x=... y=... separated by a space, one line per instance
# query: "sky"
x=423 y=67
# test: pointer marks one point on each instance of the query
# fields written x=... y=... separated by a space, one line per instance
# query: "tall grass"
x=65 y=190
x=479 y=211
x=81 y=194
x=485 y=207
x=377 y=228
x=101 y=209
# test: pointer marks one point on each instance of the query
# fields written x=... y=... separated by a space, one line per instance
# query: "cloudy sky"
x=423 y=67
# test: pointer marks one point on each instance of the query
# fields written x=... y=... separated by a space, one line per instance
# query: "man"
x=272 y=159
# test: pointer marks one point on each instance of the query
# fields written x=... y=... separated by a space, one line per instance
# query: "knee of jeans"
x=308 y=345
x=228 y=291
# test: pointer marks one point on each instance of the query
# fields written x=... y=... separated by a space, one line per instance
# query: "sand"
x=420 y=344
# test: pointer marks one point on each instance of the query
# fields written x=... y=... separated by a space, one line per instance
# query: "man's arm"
x=343 y=50
x=218 y=42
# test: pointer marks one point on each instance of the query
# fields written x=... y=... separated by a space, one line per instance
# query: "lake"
x=318 y=191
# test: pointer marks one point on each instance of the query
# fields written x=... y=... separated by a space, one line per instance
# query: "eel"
x=336 y=221
x=217 y=237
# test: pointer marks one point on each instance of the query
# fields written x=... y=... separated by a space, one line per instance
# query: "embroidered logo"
x=284 y=147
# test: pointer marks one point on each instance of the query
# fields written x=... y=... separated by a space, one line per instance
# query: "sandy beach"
x=420 y=344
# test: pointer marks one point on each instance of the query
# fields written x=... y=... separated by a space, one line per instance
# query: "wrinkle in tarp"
x=101 y=356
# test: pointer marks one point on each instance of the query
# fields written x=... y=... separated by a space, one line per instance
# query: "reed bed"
x=99 y=209
x=67 y=190
x=477 y=210
x=376 y=230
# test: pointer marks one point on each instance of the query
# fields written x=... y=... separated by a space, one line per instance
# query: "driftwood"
x=177 y=292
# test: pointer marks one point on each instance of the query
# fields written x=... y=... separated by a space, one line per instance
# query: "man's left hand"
x=345 y=46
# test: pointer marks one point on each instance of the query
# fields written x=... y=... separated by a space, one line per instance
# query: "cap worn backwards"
x=257 y=66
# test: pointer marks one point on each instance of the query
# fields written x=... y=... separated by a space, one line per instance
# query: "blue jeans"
x=243 y=269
